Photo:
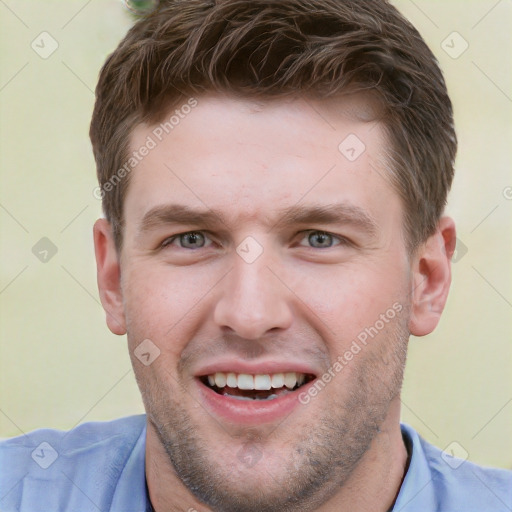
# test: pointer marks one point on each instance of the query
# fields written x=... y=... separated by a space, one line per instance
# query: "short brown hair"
x=272 y=48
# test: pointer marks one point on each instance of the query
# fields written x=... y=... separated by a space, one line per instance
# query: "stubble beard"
x=323 y=454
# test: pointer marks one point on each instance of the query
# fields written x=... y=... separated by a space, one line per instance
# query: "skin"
x=249 y=161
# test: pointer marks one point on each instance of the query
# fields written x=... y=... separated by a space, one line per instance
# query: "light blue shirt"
x=100 y=467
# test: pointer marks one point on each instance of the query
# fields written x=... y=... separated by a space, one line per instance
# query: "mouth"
x=255 y=387
x=257 y=393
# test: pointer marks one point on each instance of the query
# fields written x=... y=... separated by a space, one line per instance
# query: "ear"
x=109 y=276
x=432 y=278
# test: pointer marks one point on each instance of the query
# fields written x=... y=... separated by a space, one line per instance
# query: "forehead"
x=246 y=157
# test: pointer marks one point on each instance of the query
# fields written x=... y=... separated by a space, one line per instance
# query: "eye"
x=321 y=239
x=189 y=240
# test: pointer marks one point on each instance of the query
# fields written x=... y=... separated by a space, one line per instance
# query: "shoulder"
x=455 y=483
x=52 y=467
x=458 y=479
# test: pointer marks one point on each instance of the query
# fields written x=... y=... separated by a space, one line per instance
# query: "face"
x=269 y=271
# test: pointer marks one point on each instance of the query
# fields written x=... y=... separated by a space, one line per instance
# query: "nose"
x=253 y=300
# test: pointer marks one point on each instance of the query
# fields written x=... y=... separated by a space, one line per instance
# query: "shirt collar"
x=131 y=491
x=417 y=491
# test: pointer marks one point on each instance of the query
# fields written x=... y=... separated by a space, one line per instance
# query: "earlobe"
x=432 y=278
x=109 y=276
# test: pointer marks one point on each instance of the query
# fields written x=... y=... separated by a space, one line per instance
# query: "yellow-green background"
x=60 y=365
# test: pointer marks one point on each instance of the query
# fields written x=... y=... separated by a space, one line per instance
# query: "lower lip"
x=251 y=412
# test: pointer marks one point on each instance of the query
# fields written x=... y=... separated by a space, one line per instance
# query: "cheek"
x=348 y=299
x=161 y=303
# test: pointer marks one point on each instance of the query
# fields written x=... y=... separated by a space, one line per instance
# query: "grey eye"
x=320 y=239
x=192 y=240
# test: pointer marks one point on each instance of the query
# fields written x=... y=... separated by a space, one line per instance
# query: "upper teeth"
x=258 y=381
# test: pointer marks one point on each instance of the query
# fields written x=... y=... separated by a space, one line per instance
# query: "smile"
x=241 y=397
x=245 y=386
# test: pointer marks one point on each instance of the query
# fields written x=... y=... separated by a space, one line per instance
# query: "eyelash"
x=170 y=240
x=341 y=240
x=306 y=233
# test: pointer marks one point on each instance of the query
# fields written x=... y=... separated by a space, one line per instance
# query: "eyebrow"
x=338 y=213
x=179 y=214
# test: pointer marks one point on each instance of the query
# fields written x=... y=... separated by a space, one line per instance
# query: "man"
x=273 y=177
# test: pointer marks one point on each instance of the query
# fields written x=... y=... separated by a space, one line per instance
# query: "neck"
x=376 y=481
x=374 y=484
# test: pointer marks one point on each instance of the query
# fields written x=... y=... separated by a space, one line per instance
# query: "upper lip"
x=255 y=368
